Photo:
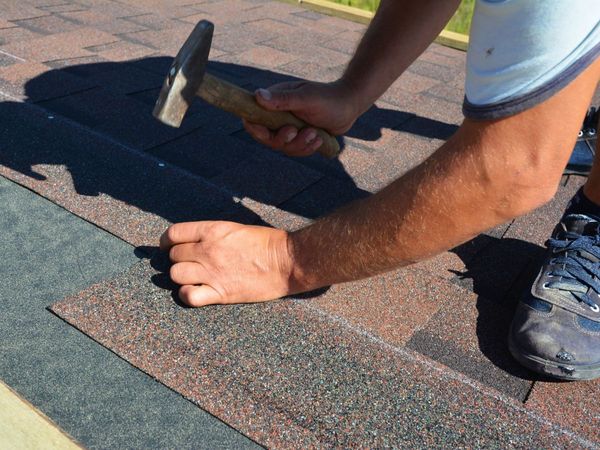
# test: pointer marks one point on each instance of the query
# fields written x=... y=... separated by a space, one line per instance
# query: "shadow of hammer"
x=187 y=78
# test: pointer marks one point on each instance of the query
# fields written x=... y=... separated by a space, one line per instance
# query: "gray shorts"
x=521 y=52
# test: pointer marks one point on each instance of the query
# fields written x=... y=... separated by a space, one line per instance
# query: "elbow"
x=521 y=200
x=516 y=160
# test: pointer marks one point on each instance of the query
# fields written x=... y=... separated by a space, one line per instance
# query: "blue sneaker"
x=556 y=328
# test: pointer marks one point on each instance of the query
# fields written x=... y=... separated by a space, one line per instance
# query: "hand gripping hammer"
x=187 y=78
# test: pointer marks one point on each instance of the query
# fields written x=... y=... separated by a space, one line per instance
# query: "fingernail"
x=265 y=94
x=290 y=136
x=312 y=134
x=316 y=144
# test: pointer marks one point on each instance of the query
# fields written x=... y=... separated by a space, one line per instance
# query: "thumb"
x=201 y=295
x=280 y=99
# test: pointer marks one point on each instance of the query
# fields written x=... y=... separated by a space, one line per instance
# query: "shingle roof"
x=414 y=357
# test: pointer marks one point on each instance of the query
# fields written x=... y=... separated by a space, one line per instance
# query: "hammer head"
x=185 y=76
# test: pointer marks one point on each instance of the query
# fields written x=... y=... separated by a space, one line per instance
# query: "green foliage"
x=460 y=22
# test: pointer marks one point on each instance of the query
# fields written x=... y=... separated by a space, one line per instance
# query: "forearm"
x=487 y=173
x=457 y=193
x=400 y=31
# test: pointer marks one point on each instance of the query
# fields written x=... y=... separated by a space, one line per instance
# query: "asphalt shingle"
x=299 y=378
x=91 y=393
x=118 y=188
x=427 y=343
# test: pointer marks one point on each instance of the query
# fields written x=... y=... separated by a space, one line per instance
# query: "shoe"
x=556 y=328
x=582 y=157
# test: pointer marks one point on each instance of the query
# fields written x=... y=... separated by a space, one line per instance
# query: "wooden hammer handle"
x=242 y=103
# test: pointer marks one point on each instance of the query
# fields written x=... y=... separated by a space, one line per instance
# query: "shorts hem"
x=526 y=101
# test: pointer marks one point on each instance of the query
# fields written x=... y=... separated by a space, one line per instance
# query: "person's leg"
x=556 y=328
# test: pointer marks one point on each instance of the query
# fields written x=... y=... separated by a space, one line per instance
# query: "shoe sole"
x=552 y=368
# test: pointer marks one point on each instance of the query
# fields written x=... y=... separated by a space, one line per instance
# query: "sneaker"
x=580 y=162
x=556 y=328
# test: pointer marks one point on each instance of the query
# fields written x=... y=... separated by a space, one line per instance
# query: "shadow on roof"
x=111 y=103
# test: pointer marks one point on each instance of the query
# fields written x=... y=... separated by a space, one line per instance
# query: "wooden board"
x=22 y=426
x=447 y=38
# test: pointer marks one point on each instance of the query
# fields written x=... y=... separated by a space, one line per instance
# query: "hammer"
x=187 y=78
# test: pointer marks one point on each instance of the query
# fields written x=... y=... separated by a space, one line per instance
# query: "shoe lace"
x=573 y=267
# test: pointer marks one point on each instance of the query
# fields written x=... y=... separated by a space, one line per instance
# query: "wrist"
x=355 y=94
x=299 y=278
x=352 y=97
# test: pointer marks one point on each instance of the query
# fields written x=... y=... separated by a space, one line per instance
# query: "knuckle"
x=282 y=99
x=198 y=251
x=214 y=228
x=221 y=227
